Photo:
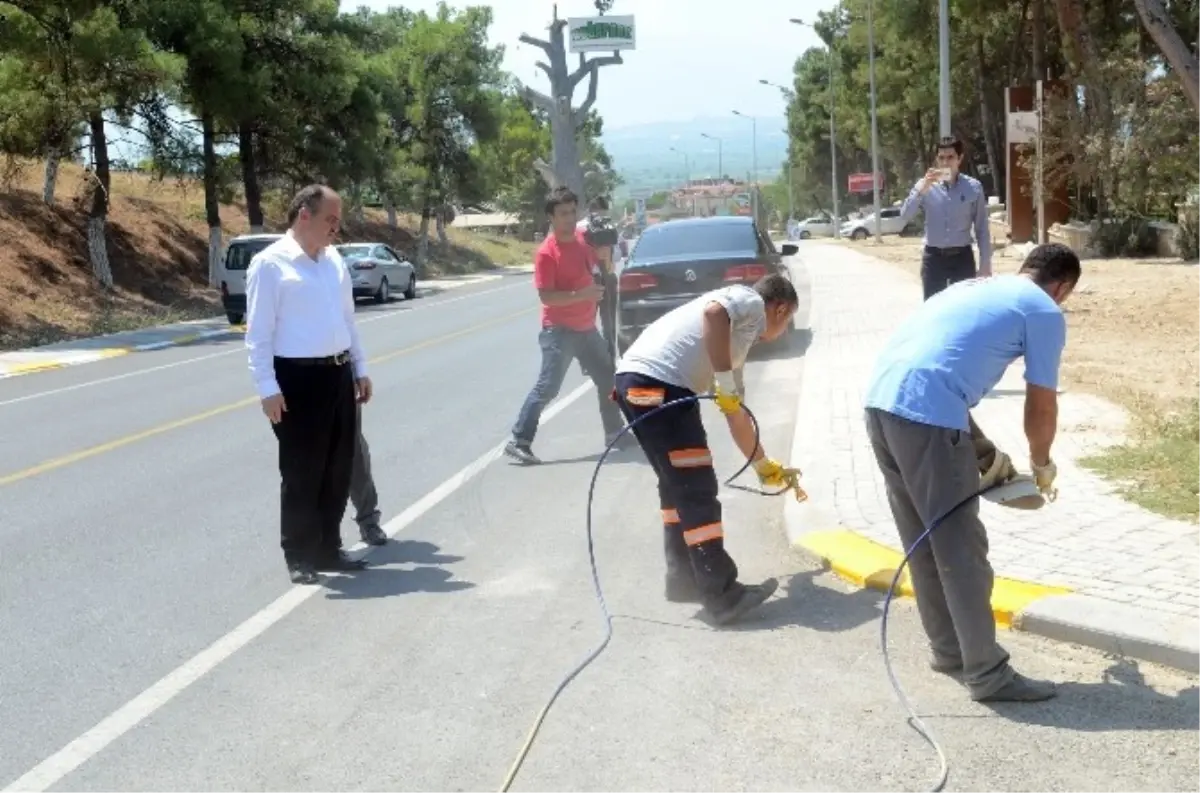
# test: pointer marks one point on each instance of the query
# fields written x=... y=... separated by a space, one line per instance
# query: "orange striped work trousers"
x=676 y=445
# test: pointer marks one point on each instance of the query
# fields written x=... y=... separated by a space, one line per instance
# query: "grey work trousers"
x=927 y=470
x=362 y=485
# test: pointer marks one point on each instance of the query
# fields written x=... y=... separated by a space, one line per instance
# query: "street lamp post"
x=687 y=173
x=754 y=159
x=944 y=67
x=720 y=163
x=837 y=226
x=874 y=126
x=789 y=94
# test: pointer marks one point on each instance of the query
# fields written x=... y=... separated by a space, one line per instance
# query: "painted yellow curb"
x=40 y=366
x=869 y=564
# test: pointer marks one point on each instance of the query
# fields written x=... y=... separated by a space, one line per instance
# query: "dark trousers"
x=316 y=455
x=676 y=445
x=560 y=346
x=363 y=495
x=608 y=314
x=926 y=471
x=941 y=267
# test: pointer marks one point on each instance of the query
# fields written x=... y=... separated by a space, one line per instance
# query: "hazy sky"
x=693 y=57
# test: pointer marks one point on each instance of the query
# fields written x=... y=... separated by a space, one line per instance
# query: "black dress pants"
x=316 y=454
x=942 y=267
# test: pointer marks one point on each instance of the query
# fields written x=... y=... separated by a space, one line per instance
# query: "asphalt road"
x=152 y=640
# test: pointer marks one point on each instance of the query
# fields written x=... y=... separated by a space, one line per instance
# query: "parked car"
x=234 y=265
x=815 y=226
x=890 y=222
x=377 y=270
x=679 y=260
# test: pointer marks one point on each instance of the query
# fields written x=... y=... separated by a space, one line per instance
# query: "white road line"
x=58 y=765
x=241 y=349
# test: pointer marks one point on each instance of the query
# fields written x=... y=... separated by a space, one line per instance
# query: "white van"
x=234 y=265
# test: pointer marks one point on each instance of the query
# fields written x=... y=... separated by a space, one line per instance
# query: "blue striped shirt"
x=950 y=212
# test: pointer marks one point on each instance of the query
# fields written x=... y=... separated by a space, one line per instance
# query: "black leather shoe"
x=302 y=573
x=372 y=534
x=339 y=562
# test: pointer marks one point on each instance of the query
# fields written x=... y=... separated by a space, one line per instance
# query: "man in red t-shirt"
x=568 y=279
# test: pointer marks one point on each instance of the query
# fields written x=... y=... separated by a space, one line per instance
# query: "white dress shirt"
x=298 y=308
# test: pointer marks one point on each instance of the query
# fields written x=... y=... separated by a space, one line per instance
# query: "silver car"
x=377 y=271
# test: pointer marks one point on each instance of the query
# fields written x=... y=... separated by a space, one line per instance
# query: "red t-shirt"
x=565 y=267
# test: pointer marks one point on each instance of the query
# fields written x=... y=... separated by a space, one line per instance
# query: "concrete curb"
x=76 y=357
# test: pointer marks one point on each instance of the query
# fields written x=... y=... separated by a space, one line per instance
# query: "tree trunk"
x=441 y=226
x=50 y=179
x=98 y=214
x=246 y=153
x=1183 y=62
x=391 y=215
x=423 y=239
x=212 y=208
x=985 y=119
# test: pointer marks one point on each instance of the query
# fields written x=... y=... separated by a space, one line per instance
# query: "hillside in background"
x=157 y=239
x=642 y=153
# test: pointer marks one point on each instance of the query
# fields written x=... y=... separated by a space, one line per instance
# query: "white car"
x=377 y=271
x=890 y=223
x=815 y=226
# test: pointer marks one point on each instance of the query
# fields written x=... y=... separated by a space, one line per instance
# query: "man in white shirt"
x=310 y=370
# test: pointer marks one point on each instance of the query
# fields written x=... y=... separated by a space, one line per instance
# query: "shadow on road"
x=1121 y=701
x=805 y=603
x=384 y=579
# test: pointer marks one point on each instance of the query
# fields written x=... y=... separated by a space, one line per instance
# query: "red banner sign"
x=861 y=183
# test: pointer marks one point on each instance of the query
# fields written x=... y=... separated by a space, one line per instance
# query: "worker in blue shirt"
x=954 y=203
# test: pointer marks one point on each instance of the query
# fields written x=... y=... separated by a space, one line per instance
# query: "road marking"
x=58 y=765
x=239 y=349
x=108 y=446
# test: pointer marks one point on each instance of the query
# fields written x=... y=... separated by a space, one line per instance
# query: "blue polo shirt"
x=954 y=349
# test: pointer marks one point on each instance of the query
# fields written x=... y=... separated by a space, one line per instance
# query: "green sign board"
x=604 y=34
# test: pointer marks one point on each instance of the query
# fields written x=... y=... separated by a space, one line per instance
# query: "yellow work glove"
x=725 y=393
x=772 y=474
x=1044 y=476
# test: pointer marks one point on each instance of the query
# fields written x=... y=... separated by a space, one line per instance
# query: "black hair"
x=951 y=142
x=309 y=198
x=1052 y=263
x=775 y=288
x=558 y=197
x=599 y=204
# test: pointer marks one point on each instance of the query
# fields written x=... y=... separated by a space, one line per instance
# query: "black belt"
x=947 y=251
x=328 y=360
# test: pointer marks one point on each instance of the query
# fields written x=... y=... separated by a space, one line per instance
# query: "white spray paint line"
x=58 y=765
x=235 y=350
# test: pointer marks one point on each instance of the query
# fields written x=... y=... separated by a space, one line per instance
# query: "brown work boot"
x=742 y=600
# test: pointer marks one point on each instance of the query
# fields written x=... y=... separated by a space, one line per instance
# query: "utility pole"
x=720 y=162
x=878 y=236
x=754 y=159
x=944 y=67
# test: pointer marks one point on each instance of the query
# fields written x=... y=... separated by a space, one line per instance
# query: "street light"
x=720 y=163
x=754 y=156
x=687 y=178
x=874 y=126
x=790 y=94
x=837 y=226
x=944 y=67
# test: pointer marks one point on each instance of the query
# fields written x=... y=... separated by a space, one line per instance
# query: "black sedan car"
x=679 y=260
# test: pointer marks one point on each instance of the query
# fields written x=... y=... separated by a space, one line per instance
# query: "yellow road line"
x=126 y=440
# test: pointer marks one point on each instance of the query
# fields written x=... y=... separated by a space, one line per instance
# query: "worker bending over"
x=698 y=347
x=937 y=366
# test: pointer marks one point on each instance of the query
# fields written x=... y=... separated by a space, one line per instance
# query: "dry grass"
x=158 y=242
x=1134 y=338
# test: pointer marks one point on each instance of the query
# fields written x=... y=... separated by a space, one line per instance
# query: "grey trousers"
x=362 y=485
x=927 y=470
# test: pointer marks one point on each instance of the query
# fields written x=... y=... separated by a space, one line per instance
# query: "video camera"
x=600 y=232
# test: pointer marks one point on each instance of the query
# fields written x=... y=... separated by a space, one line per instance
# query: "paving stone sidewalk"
x=1133 y=575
